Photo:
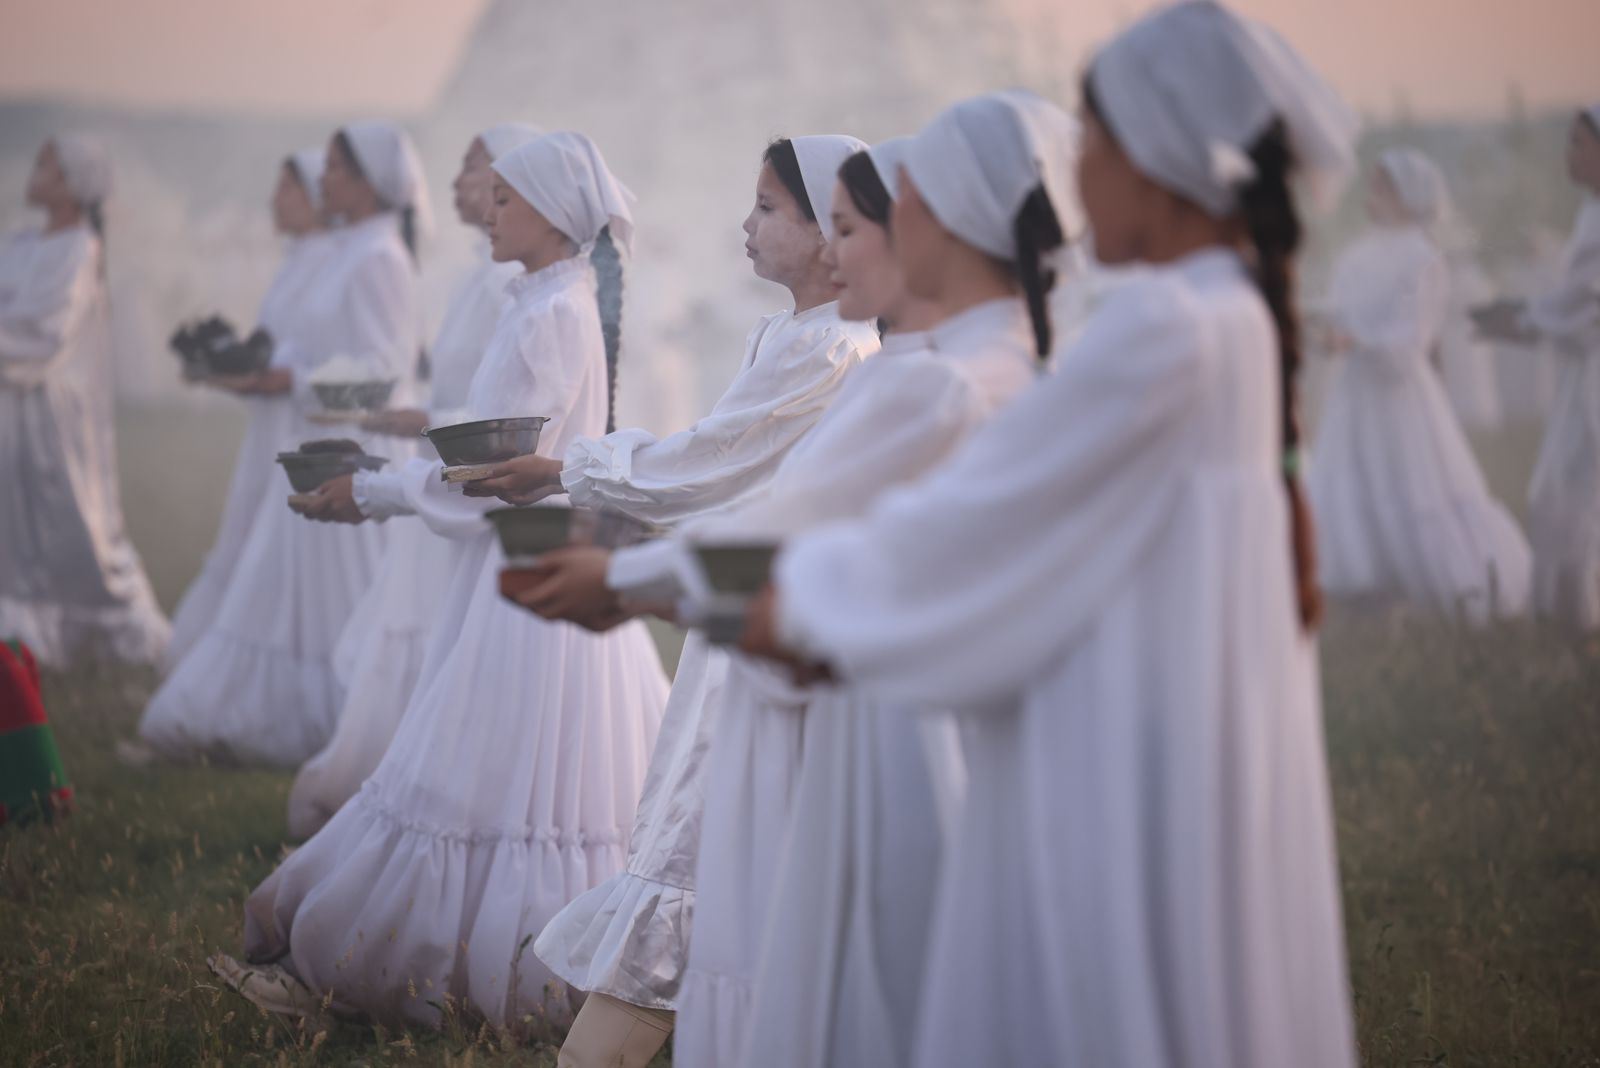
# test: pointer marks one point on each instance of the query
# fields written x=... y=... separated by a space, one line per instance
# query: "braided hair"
x=1267 y=208
x=1037 y=230
x=607 y=260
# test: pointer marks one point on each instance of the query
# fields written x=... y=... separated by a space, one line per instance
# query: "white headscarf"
x=567 y=181
x=887 y=158
x=309 y=163
x=506 y=136
x=1189 y=89
x=976 y=162
x=820 y=156
x=389 y=160
x=87 y=166
x=1419 y=186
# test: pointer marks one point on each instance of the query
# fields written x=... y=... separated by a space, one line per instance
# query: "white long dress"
x=1144 y=869
x=819 y=954
x=1401 y=506
x=629 y=936
x=259 y=686
x=512 y=780
x=1466 y=360
x=1564 y=499
x=270 y=425
x=379 y=653
x=70 y=580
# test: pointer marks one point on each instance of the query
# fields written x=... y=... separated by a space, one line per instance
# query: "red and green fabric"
x=33 y=784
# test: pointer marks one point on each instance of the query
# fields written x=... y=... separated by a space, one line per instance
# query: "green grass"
x=1466 y=772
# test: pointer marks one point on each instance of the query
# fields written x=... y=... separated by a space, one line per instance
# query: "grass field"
x=1466 y=773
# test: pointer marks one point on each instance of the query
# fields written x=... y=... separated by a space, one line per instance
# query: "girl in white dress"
x=259 y=686
x=1144 y=870
x=1564 y=499
x=270 y=417
x=71 y=583
x=626 y=941
x=380 y=650
x=827 y=921
x=1404 y=509
x=511 y=782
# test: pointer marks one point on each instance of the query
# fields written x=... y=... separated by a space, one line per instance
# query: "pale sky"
x=325 y=57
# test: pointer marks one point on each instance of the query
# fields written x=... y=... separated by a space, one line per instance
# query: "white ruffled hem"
x=628 y=937
x=713 y=1020
x=134 y=633
x=240 y=702
x=393 y=913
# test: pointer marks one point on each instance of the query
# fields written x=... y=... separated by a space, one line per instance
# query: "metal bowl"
x=486 y=441
x=243 y=357
x=308 y=470
x=534 y=529
x=741 y=569
x=353 y=396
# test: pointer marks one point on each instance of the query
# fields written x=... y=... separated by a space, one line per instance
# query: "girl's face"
x=1120 y=203
x=292 y=210
x=1583 y=153
x=517 y=232
x=472 y=186
x=782 y=244
x=1383 y=200
x=345 y=190
x=47 y=184
x=863 y=264
x=919 y=240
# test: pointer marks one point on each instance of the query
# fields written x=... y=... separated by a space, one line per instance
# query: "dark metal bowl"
x=243 y=357
x=308 y=470
x=353 y=396
x=737 y=568
x=486 y=441
x=535 y=529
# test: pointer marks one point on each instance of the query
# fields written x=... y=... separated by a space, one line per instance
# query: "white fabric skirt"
x=508 y=790
x=751 y=776
x=258 y=687
x=377 y=660
x=629 y=936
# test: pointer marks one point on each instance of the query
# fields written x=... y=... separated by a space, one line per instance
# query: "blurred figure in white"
x=380 y=650
x=512 y=780
x=71 y=582
x=1467 y=362
x=1564 y=499
x=259 y=685
x=271 y=422
x=1402 y=507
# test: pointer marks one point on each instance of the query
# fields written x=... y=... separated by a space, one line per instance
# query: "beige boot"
x=610 y=1033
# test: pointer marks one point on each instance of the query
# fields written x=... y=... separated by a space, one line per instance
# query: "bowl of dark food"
x=486 y=441
x=245 y=357
x=354 y=396
x=197 y=340
x=528 y=531
x=316 y=462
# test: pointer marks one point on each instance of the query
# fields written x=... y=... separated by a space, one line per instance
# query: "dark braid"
x=1267 y=207
x=607 y=260
x=408 y=229
x=1037 y=230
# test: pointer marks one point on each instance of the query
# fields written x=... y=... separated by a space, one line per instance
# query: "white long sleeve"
x=1391 y=294
x=54 y=286
x=1571 y=309
x=963 y=587
x=793 y=368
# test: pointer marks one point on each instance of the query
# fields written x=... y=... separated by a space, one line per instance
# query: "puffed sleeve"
x=961 y=588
